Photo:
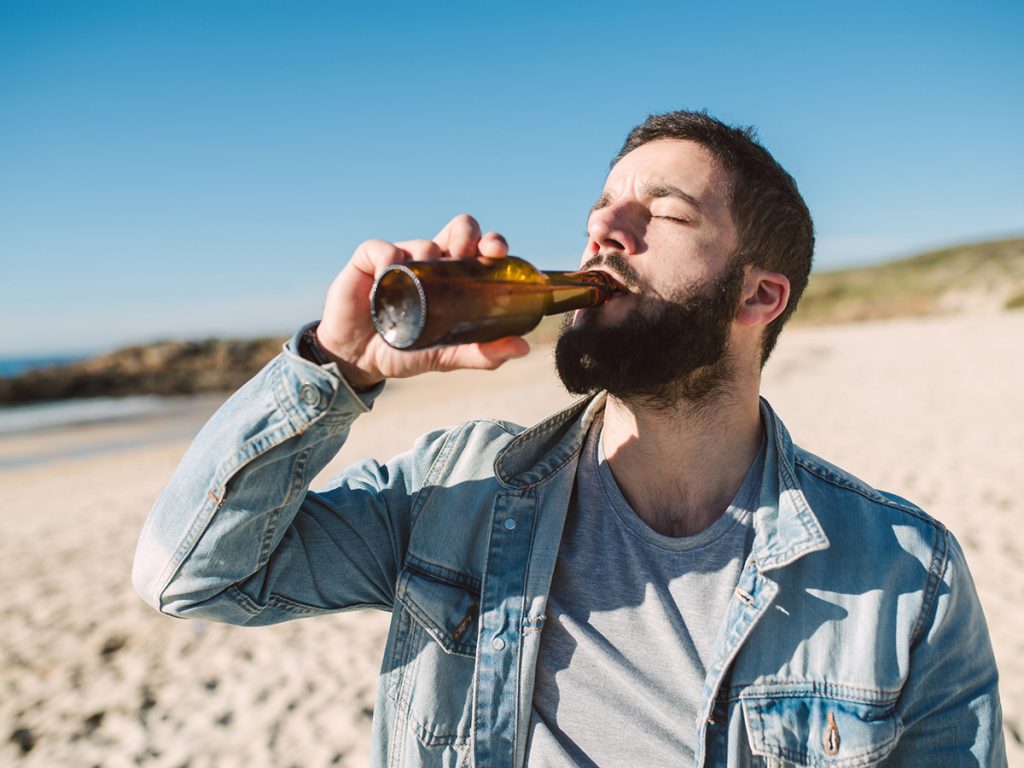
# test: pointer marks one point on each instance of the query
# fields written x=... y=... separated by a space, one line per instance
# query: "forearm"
x=239 y=488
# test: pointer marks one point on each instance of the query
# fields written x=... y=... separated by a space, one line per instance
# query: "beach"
x=930 y=409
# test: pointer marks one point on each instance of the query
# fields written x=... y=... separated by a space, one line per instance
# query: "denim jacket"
x=854 y=636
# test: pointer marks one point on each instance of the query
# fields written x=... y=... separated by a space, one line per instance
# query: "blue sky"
x=184 y=169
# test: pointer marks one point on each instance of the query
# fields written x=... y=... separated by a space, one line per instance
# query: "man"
x=656 y=576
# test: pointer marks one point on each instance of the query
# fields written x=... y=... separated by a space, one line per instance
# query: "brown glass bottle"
x=420 y=304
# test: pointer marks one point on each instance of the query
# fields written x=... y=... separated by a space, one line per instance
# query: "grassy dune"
x=971 y=277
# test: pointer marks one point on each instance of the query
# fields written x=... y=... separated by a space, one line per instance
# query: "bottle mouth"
x=398 y=306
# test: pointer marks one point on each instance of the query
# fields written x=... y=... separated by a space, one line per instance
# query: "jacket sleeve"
x=237 y=537
x=949 y=706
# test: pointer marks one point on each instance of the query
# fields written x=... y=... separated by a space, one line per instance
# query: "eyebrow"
x=667 y=190
x=654 y=190
x=602 y=201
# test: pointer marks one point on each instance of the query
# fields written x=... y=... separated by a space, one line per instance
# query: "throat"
x=680 y=475
x=676 y=517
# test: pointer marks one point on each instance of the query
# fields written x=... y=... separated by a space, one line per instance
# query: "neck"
x=680 y=467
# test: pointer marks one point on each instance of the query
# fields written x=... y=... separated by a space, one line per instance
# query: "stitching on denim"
x=417 y=635
x=936 y=571
x=299 y=418
x=299 y=483
x=555 y=470
x=854 y=759
x=252 y=449
x=242 y=600
x=804 y=513
x=435 y=472
x=774 y=748
x=531 y=498
x=429 y=738
x=866 y=491
x=437 y=633
x=503 y=425
x=270 y=527
x=221 y=480
x=397 y=658
x=290 y=605
x=780 y=688
x=284 y=403
x=410 y=662
x=545 y=428
x=441 y=573
x=413 y=632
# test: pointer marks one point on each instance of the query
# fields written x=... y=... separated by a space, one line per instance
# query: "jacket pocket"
x=438 y=657
x=806 y=730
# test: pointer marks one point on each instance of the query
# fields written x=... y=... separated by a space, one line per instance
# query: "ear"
x=765 y=296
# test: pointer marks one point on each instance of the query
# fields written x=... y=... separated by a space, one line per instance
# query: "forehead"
x=684 y=164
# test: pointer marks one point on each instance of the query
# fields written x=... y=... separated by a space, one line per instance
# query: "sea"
x=62 y=422
x=13 y=366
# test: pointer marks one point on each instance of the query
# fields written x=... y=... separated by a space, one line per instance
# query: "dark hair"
x=775 y=228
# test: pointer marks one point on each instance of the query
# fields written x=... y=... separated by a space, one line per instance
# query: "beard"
x=666 y=351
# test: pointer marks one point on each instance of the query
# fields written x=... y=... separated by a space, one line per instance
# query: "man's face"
x=663 y=227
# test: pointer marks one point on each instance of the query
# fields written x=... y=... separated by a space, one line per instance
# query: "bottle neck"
x=578 y=290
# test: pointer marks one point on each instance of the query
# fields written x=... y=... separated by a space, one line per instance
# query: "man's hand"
x=347 y=333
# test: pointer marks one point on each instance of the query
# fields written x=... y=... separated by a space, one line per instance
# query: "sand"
x=930 y=409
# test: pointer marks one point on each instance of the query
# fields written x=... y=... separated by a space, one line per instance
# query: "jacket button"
x=510 y=523
x=498 y=643
x=309 y=395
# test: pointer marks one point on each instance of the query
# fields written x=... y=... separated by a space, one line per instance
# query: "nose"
x=614 y=227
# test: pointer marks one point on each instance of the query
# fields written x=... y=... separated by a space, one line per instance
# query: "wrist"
x=311 y=348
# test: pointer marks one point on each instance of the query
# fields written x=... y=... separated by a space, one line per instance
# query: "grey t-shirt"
x=632 y=618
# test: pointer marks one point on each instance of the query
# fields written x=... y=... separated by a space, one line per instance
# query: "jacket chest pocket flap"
x=801 y=730
x=439 y=656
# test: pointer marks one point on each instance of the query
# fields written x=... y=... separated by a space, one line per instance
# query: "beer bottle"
x=420 y=304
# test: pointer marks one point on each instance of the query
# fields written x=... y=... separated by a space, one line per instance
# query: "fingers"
x=493 y=246
x=372 y=256
x=488 y=355
x=462 y=239
x=421 y=250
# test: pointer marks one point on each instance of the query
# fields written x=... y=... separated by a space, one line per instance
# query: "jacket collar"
x=538 y=452
x=785 y=526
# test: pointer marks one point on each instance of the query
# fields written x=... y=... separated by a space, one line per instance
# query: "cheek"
x=681 y=279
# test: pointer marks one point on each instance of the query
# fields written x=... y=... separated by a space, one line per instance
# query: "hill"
x=162 y=368
x=984 y=276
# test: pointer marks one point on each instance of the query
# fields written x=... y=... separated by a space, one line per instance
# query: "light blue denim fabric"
x=854 y=638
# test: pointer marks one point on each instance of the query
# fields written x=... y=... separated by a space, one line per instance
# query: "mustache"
x=617 y=262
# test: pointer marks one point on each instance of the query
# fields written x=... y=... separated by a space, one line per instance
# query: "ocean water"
x=43 y=433
x=13 y=366
x=67 y=413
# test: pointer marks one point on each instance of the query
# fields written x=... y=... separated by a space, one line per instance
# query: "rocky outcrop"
x=164 y=368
